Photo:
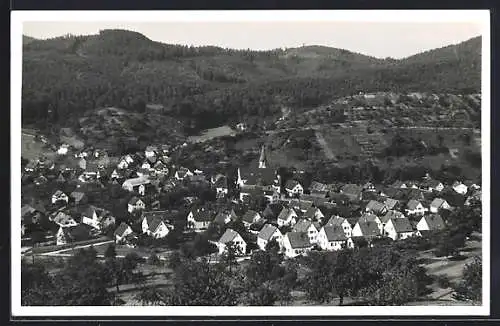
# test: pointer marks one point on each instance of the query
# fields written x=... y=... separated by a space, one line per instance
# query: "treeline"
x=207 y=85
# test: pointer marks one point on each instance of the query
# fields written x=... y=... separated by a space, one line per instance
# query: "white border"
x=18 y=17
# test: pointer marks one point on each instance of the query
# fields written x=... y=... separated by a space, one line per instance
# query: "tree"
x=110 y=252
x=470 y=288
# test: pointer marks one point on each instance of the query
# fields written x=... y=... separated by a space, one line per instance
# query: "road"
x=321 y=140
x=60 y=252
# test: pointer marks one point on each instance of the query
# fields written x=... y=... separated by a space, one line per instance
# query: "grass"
x=212 y=133
x=32 y=148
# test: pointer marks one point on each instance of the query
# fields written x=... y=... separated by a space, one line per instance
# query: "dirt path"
x=321 y=140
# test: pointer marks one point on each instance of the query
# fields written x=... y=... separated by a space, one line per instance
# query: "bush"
x=443 y=281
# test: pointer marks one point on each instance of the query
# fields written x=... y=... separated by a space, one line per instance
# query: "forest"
x=210 y=86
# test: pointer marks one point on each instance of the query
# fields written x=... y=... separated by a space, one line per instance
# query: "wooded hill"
x=208 y=86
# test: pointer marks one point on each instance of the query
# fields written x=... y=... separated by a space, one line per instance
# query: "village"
x=245 y=212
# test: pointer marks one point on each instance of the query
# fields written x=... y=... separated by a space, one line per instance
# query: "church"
x=261 y=175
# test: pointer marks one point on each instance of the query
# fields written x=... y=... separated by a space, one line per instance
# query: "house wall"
x=127 y=232
x=356 y=231
x=390 y=231
x=92 y=222
x=161 y=232
x=422 y=225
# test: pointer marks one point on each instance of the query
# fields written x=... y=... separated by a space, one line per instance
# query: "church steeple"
x=263 y=158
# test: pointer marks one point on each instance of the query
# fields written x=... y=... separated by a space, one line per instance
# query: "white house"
x=63 y=150
x=64 y=220
x=367 y=229
x=414 y=207
x=293 y=188
x=333 y=238
x=198 y=220
x=235 y=238
x=343 y=223
x=135 y=204
x=376 y=207
x=183 y=173
x=135 y=183
x=73 y=233
x=459 y=188
x=59 y=196
x=221 y=187
x=122 y=231
x=153 y=225
x=368 y=217
x=437 y=204
x=432 y=222
x=308 y=227
x=296 y=243
x=314 y=214
x=398 y=229
x=151 y=151
x=269 y=233
x=432 y=185
x=287 y=216
x=115 y=175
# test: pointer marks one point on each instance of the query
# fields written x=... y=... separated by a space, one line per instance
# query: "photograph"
x=258 y=163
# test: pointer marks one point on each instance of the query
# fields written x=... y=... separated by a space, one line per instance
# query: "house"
x=183 y=173
x=251 y=192
x=271 y=196
x=269 y=233
x=332 y=237
x=308 y=227
x=391 y=214
x=368 y=217
x=437 y=204
x=296 y=243
x=376 y=207
x=352 y=191
x=318 y=187
x=31 y=166
x=231 y=236
x=265 y=177
x=62 y=219
x=272 y=211
x=146 y=165
x=150 y=151
x=314 y=214
x=161 y=168
x=222 y=218
x=398 y=229
x=135 y=204
x=475 y=196
x=135 y=184
x=301 y=206
x=61 y=178
x=250 y=217
x=92 y=171
x=369 y=187
x=59 y=197
x=30 y=215
x=415 y=194
x=78 y=197
x=432 y=222
x=152 y=224
x=40 y=180
x=432 y=185
x=399 y=184
x=366 y=229
x=97 y=217
x=294 y=188
x=287 y=217
x=391 y=204
x=221 y=187
x=241 y=126
x=125 y=162
x=459 y=188
x=342 y=223
x=198 y=219
x=414 y=207
x=122 y=232
x=74 y=233
x=63 y=149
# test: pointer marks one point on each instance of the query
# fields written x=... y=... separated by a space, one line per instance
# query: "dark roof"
x=301 y=226
x=299 y=240
x=290 y=184
x=265 y=176
x=221 y=182
x=249 y=216
x=134 y=200
x=369 y=229
x=285 y=213
x=391 y=203
x=228 y=236
x=352 y=189
x=375 y=206
x=318 y=187
x=77 y=195
x=334 y=233
x=431 y=183
x=272 y=210
x=367 y=217
x=438 y=202
x=434 y=221
x=267 y=231
x=412 y=204
x=302 y=205
x=335 y=220
x=154 y=224
x=121 y=229
x=152 y=215
x=311 y=212
x=402 y=225
x=76 y=233
x=202 y=215
x=391 y=214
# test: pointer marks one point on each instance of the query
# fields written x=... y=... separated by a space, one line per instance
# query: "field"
x=32 y=148
x=212 y=133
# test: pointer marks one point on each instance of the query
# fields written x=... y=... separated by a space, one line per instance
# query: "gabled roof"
x=334 y=233
x=434 y=221
x=438 y=202
x=201 y=215
x=318 y=187
x=58 y=193
x=267 y=231
x=120 y=230
x=335 y=220
x=154 y=224
x=272 y=210
x=398 y=184
x=412 y=204
x=137 y=181
x=77 y=195
x=152 y=215
x=402 y=225
x=228 y=236
x=285 y=212
x=27 y=209
x=76 y=233
x=265 y=176
x=391 y=203
x=302 y=226
x=290 y=184
x=221 y=217
x=369 y=229
x=367 y=217
x=311 y=212
x=221 y=182
x=62 y=218
x=299 y=240
x=431 y=183
x=391 y=214
x=352 y=189
x=302 y=205
x=249 y=216
x=375 y=206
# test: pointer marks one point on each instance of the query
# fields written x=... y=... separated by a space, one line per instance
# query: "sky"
x=378 y=39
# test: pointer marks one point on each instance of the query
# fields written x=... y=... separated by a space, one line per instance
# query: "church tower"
x=263 y=158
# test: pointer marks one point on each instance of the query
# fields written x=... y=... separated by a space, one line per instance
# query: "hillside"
x=207 y=87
